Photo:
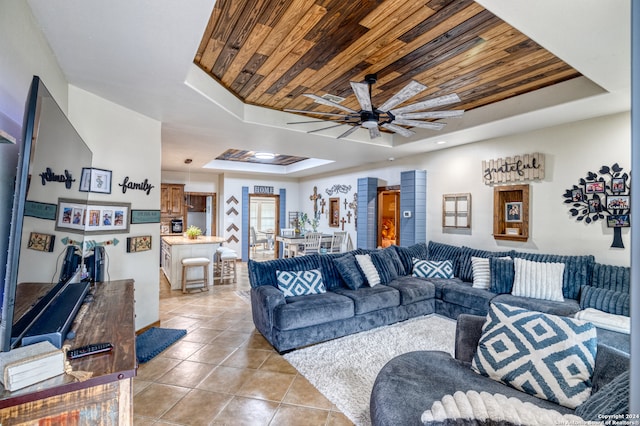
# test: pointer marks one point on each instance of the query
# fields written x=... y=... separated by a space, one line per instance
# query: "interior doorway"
x=388 y=217
x=263 y=226
x=202 y=211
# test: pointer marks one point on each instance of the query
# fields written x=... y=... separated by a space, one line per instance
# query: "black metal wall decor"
x=601 y=195
x=50 y=176
x=140 y=186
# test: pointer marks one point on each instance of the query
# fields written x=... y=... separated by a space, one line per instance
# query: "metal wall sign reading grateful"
x=513 y=169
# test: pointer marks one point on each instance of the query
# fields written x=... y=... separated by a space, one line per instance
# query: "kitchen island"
x=175 y=248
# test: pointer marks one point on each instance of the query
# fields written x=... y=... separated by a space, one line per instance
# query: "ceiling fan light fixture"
x=264 y=155
x=370 y=124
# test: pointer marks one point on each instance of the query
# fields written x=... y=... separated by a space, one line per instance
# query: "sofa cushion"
x=413 y=289
x=300 y=283
x=577 y=270
x=482 y=271
x=368 y=269
x=440 y=251
x=407 y=254
x=387 y=264
x=465 y=271
x=613 y=302
x=463 y=294
x=548 y=356
x=502 y=273
x=611 y=399
x=349 y=271
x=264 y=273
x=539 y=280
x=369 y=299
x=610 y=277
x=432 y=269
x=566 y=308
x=305 y=311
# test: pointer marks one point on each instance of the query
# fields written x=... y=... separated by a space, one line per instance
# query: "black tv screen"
x=50 y=146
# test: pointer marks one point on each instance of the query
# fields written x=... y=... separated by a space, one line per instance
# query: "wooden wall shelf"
x=511 y=212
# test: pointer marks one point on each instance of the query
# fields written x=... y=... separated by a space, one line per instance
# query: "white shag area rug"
x=344 y=369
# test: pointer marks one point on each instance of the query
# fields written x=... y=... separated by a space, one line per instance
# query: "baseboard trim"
x=142 y=330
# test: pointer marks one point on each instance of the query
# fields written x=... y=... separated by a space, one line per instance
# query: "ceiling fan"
x=386 y=115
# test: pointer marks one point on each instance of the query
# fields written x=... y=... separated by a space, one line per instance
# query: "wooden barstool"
x=226 y=265
x=191 y=262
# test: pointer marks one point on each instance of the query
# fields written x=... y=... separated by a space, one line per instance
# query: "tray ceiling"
x=269 y=52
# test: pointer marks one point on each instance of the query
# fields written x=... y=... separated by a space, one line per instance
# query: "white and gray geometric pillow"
x=300 y=283
x=432 y=269
x=547 y=356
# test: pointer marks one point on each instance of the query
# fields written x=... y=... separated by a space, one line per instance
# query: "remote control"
x=87 y=350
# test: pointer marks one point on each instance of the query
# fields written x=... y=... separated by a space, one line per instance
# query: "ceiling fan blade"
x=325 y=128
x=317 y=121
x=374 y=133
x=407 y=92
x=327 y=114
x=348 y=132
x=430 y=114
x=397 y=129
x=323 y=101
x=429 y=103
x=421 y=124
x=361 y=90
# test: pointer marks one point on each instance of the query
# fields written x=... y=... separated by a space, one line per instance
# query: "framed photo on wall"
x=513 y=211
x=102 y=217
x=95 y=180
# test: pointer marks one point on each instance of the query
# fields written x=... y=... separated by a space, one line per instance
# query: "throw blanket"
x=486 y=409
x=619 y=323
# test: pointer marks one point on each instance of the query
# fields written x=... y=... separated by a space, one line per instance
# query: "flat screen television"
x=50 y=147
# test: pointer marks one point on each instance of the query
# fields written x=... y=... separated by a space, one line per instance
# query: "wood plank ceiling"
x=269 y=52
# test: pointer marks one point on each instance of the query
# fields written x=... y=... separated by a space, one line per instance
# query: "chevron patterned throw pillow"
x=547 y=356
x=432 y=269
x=300 y=283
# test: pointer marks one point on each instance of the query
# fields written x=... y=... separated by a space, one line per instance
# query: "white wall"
x=232 y=186
x=570 y=152
x=25 y=53
x=134 y=153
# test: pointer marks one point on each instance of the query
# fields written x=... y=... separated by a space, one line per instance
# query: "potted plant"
x=193 y=232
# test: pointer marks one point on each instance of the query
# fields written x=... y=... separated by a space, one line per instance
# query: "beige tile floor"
x=223 y=372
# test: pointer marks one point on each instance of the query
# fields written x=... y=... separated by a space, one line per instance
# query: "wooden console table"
x=107 y=397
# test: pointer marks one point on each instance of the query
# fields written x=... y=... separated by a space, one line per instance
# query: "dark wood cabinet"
x=172 y=199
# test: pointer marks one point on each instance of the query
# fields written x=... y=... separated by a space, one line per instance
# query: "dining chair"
x=337 y=240
x=288 y=249
x=255 y=240
x=311 y=243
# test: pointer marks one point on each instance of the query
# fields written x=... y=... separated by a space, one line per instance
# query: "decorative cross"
x=354 y=206
x=342 y=221
x=349 y=214
x=315 y=197
x=323 y=203
x=345 y=204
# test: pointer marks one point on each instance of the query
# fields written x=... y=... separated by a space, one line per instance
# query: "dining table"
x=325 y=240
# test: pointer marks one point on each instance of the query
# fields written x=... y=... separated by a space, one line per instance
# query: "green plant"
x=193 y=231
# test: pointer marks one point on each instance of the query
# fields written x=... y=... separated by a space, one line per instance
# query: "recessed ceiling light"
x=264 y=155
x=441 y=142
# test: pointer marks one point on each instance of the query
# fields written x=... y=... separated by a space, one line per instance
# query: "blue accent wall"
x=413 y=198
x=367 y=213
x=283 y=215
x=245 y=223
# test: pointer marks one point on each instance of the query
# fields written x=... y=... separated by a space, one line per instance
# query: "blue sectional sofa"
x=293 y=322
